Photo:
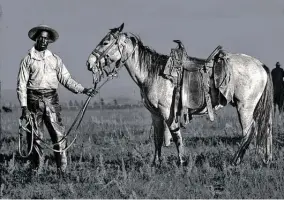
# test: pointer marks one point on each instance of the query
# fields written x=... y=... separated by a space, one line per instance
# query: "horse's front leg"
x=159 y=128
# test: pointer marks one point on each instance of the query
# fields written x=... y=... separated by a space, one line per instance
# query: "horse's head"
x=110 y=50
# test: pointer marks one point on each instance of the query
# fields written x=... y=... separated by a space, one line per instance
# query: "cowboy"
x=277 y=77
x=39 y=75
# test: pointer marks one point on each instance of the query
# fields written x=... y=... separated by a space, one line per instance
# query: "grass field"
x=112 y=159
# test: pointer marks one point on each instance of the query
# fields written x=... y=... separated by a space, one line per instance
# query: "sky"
x=253 y=27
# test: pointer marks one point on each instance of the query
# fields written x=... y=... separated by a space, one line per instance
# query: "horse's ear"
x=121 y=27
x=113 y=30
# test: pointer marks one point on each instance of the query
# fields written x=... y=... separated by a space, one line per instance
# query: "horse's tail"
x=263 y=113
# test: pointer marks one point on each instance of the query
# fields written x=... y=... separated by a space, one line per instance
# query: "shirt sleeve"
x=66 y=80
x=22 y=81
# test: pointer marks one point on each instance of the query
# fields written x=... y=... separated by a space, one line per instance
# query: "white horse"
x=253 y=90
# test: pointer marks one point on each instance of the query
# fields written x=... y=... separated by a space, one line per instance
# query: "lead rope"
x=21 y=127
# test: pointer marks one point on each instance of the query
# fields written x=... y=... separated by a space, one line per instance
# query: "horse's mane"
x=154 y=62
x=149 y=59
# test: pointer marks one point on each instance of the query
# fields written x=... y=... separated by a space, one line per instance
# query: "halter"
x=115 y=70
x=103 y=54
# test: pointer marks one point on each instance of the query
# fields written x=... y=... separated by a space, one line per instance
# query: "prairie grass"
x=112 y=156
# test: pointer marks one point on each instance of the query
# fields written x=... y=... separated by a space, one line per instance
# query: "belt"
x=41 y=92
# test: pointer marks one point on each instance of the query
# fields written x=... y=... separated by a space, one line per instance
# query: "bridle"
x=104 y=54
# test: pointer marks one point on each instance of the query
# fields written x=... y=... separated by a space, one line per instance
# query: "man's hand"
x=25 y=113
x=90 y=92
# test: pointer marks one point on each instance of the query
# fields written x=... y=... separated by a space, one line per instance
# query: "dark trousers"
x=44 y=105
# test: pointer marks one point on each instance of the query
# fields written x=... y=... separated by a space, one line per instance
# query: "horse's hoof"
x=236 y=161
x=160 y=162
x=153 y=164
x=182 y=163
x=266 y=161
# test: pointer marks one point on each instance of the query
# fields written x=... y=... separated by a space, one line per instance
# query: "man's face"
x=42 y=41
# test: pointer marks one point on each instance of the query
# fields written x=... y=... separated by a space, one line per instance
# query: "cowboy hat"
x=278 y=64
x=33 y=33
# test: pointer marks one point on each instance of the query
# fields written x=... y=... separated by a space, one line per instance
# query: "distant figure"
x=277 y=77
x=6 y=109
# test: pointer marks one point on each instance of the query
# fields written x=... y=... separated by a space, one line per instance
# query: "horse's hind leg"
x=245 y=114
x=268 y=142
x=177 y=138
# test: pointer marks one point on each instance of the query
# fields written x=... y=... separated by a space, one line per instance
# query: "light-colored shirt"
x=43 y=70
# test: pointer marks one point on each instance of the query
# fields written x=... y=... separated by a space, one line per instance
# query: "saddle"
x=192 y=81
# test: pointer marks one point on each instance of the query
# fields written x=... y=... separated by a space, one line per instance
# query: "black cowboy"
x=39 y=75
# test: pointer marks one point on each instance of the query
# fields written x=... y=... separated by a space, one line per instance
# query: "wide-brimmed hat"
x=33 y=33
x=278 y=64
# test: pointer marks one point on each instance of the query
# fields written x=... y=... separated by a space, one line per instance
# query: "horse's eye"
x=105 y=42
